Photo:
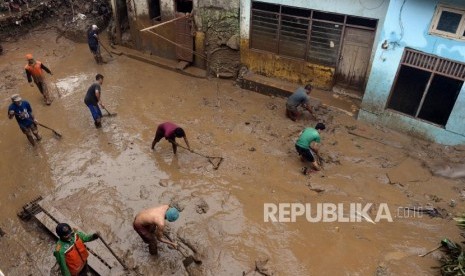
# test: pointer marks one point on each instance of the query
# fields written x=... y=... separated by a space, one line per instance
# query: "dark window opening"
x=427 y=86
x=265 y=7
x=449 y=22
x=328 y=16
x=184 y=6
x=296 y=11
x=363 y=22
x=409 y=89
x=154 y=10
x=440 y=100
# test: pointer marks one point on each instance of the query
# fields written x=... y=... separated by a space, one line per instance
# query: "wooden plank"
x=166 y=22
x=100 y=258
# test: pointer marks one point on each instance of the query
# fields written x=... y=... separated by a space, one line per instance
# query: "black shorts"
x=31 y=128
x=306 y=153
x=159 y=135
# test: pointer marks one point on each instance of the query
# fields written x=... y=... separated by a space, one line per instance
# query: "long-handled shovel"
x=105 y=48
x=214 y=160
x=113 y=253
x=57 y=134
x=189 y=258
x=109 y=113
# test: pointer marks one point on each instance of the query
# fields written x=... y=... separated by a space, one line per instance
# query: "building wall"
x=297 y=70
x=410 y=28
x=217 y=23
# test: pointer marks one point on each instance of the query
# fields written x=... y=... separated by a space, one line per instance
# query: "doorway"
x=354 y=58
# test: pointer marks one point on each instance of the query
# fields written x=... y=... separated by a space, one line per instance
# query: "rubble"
x=71 y=19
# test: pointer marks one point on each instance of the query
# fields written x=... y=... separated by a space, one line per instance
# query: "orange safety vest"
x=76 y=256
x=35 y=69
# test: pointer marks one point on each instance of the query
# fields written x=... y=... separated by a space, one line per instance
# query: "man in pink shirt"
x=170 y=131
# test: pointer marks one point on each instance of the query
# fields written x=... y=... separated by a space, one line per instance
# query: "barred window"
x=310 y=35
x=448 y=22
x=426 y=86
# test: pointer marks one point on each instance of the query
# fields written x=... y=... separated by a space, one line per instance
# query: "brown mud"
x=102 y=178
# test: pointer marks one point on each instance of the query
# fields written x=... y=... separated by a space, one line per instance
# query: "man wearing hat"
x=35 y=71
x=22 y=111
x=152 y=221
x=70 y=251
x=92 y=40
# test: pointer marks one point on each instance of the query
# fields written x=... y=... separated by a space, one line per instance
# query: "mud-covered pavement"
x=102 y=178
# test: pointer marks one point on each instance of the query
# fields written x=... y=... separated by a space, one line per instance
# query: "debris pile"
x=71 y=18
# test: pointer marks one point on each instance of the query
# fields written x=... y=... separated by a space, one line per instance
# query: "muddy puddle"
x=102 y=178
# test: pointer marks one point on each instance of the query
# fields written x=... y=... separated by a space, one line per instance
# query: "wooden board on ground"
x=100 y=258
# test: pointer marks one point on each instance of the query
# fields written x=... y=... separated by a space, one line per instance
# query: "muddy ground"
x=102 y=178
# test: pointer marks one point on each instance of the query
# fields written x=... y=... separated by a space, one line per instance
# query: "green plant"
x=453 y=263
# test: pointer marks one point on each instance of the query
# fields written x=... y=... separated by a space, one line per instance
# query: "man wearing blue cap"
x=152 y=221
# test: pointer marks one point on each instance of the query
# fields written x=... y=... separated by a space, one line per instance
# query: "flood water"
x=101 y=178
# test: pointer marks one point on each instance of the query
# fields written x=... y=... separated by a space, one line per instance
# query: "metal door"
x=184 y=38
x=354 y=58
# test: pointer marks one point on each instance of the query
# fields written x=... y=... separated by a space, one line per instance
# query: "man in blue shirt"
x=92 y=40
x=93 y=100
x=298 y=98
x=22 y=111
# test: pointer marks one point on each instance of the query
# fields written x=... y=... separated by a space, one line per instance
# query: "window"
x=448 y=22
x=427 y=86
x=305 y=34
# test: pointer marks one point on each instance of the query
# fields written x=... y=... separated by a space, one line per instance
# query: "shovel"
x=214 y=160
x=109 y=113
x=54 y=131
x=188 y=258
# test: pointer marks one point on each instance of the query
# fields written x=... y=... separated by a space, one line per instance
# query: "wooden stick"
x=164 y=23
x=373 y=139
x=431 y=251
x=178 y=45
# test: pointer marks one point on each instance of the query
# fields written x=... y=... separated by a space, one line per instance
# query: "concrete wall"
x=217 y=23
x=296 y=70
x=410 y=28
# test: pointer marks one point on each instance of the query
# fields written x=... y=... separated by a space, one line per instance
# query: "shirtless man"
x=152 y=221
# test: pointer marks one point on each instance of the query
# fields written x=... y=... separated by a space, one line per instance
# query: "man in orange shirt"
x=70 y=251
x=35 y=71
